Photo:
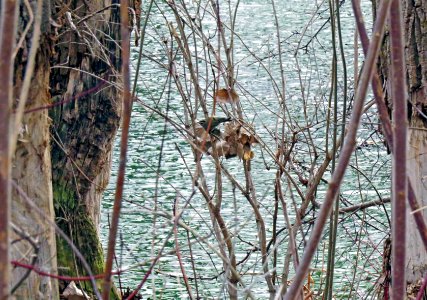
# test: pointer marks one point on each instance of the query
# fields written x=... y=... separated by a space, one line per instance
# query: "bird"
x=214 y=123
x=204 y=138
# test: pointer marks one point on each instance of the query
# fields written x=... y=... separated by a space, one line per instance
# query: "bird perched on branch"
x=214 y=123
x=205 y=138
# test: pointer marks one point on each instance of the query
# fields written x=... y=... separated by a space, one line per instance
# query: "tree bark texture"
x=415 y=23
x=415 y=14
x=63 y=154
x=7 y=42
x=31 y=170
x=86 y=64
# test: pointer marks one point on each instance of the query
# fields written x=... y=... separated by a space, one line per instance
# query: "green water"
x=143 y=233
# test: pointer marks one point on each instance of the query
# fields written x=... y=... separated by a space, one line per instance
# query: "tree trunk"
x=415 y=30
x=31 y=170
x=62 y=160
x=86 y=65
x=416 y=60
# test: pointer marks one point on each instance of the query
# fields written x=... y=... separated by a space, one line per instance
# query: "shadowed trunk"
x=86 y=64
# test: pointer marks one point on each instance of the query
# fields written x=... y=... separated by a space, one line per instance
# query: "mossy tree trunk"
x=62 y=159
x=86 y=64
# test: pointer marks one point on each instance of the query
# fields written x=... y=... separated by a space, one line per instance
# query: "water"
x=144 y=233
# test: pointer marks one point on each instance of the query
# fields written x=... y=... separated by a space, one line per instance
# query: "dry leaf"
x=226 y=96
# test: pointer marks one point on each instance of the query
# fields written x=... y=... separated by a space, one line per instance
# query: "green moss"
x=72 y=218
x=64 y=200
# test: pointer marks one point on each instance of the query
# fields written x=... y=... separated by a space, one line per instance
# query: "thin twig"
x=422 y=290
x=348 y=147
x=178 y=251
x=127 y=106
x=386 y=126
x=36 y=249
x=27 y=28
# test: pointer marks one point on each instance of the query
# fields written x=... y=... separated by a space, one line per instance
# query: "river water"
x=159 y=155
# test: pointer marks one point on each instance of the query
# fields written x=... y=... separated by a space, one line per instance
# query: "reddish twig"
x=144 y=279
x=127 y=107
x=400 y=187
x=347 y=149
x=386 y=126
x=422 y=289
x=67 y=100
x=37 y=270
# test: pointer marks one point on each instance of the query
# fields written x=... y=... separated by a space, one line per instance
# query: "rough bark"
x=62 y=159
x=31 y=170
x=84 y=125
x=416 y=59
x=415 y=18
